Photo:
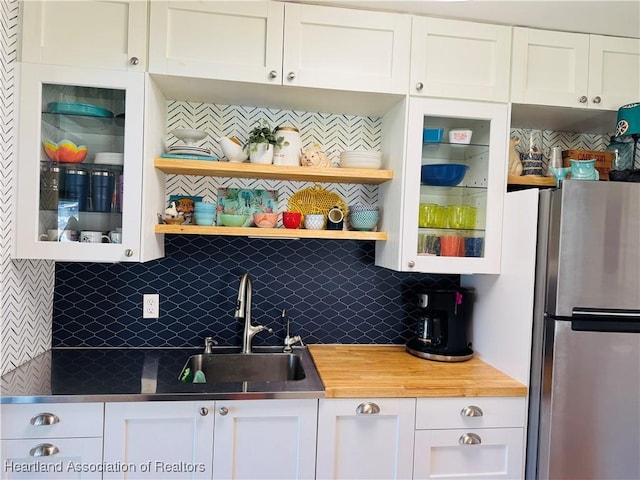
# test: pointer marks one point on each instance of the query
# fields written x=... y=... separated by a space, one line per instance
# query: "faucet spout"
x=243 y=311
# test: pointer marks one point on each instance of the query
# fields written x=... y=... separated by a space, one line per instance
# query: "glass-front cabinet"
x=79 y=164
x=453 y=180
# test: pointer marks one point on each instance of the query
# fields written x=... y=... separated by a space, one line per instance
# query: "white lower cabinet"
x=156 y=440
x=469 y=438
x=265 y=439
x=365 y=438
x=51 y=441
x=241 y=439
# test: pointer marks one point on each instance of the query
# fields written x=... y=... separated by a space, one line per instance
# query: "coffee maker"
x=441 y=330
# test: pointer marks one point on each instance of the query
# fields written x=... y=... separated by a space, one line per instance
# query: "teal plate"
x=71 y=108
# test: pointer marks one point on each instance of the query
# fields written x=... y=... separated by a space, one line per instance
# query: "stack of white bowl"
x=360 y=159
x=109 y=158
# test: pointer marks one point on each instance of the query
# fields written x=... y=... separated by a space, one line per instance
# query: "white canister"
x=289 y=153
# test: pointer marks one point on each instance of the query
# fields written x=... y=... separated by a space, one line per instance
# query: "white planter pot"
x=261 y=153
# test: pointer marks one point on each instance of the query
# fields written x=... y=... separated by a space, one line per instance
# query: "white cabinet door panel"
x=365 y=446
x=346 y=49
x=265 y=439
x=171 y=440
x=457 y=59
x=440 y=454
x=614 y=71
x=237 y=41
x=91 y=34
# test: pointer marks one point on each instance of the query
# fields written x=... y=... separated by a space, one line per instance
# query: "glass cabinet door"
x=456 y=160
x=79 y=157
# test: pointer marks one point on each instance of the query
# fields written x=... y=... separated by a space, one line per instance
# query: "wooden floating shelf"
x=270 y=232
x=532 y=180
x=273 y=172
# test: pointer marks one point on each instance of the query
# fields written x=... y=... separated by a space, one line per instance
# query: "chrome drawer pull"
x=367 y=408
x=44 y=450
x=470 y=439
x=471 y=411
x=44 y=419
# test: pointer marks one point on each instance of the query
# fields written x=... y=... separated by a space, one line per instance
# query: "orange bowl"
x=65 y=151
x=265 y=220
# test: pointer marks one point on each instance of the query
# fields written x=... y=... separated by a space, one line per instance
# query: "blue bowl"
x=443 y=174
x=432 y=135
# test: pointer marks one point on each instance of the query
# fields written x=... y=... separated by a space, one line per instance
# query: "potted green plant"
x=261 y=143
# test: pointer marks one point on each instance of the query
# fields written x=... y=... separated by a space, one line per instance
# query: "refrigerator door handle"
x=586 y=319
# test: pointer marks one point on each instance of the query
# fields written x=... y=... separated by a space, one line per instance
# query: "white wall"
x=26 y=287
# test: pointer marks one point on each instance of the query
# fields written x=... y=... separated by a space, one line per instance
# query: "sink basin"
x=240 y=367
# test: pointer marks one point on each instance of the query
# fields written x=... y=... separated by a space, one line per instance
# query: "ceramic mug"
x=115 y=236
x=55 y=235
x=93 y=236
x=291 y=219
x=314 y=221
x=335 y=219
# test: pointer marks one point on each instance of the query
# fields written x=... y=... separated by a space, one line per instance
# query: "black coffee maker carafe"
x=442 y=323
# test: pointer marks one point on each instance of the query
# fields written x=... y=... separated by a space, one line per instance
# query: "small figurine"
x=172 y=211
x=314 y=157
x=515 y=165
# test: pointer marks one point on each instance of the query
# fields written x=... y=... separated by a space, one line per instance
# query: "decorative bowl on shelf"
x=65 y=151
x=265 y=220
x=189 y=135
x=174 y=221
x=443 y=174
x=432 y=135
x=232 y=220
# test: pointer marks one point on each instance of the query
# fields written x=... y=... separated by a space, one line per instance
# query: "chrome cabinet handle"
x=128 y=252
x=596 y=100
x=223 y=411
x=273 y=74
x=291 y=76
x=419 y=86
x=471 y=411
x=470 y=439
x=411 y=264
x=367 y=408
x=44 y=419
x=134 y=60
x=204 y=411
x=582 y=99
x=44 y=450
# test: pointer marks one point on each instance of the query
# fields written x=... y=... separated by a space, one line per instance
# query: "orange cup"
x=451 y=246
x=291 y=219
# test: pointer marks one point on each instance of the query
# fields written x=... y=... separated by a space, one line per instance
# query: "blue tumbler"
x=77 y=187
x=101 y=191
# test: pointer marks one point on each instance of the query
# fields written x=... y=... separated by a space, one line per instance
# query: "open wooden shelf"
x=273 y=172
x=532 y=180
x=270 y=232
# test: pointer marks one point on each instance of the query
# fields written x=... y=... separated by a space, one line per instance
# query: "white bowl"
x=189 y=135
x=460 y=136
x=109 y=158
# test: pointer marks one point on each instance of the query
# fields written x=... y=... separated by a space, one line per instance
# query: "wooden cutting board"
x=349 y=371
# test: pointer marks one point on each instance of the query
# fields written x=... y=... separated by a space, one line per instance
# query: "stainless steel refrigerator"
x=584 y=411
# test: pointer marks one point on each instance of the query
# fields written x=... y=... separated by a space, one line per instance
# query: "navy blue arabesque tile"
x=333 y=291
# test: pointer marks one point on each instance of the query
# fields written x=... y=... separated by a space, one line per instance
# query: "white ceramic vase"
x=261 y=153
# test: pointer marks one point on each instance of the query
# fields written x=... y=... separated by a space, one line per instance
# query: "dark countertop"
x=135 y=374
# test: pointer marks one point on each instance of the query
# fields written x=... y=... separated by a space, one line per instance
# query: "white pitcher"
x=231 y=150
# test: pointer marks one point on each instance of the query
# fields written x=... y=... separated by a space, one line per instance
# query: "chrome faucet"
x=243 y=311
x=289 y=341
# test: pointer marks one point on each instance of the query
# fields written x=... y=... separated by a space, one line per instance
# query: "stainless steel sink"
x=243 y=367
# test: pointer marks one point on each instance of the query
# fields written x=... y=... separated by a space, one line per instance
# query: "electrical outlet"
x=150 y=305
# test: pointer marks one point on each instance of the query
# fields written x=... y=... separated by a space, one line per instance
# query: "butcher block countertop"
x=389 y=371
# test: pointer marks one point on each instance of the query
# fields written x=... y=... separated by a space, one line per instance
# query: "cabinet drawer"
x=458 y=412
x=56 y=420
x=496 y=453
x=70 y=458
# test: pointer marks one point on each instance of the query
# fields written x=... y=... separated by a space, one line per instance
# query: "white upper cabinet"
x=346 y=49
x=281 y=44
x=452 y=226
x=91 y=206
x=456 y=59
x=574 y=70
x=236 y=41
x=108 y=34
